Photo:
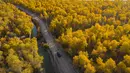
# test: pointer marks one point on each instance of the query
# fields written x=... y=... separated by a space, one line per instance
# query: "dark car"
x=58 y=54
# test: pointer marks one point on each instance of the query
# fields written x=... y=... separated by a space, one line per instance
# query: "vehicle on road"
x=59 y=54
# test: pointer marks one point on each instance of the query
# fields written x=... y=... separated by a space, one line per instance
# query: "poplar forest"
x=95 y=34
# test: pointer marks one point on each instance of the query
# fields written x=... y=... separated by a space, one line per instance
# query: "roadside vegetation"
x=17 y=54
x=96 y=34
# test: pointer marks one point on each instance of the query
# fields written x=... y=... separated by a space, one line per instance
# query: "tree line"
x=17 y=55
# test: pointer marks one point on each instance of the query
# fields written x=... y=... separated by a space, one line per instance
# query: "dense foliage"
x=105 y=43
x=13 y=21
x=78 y=14
x=95 y=33
x=17 y=55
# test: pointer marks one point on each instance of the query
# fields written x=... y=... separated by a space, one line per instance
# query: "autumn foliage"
x=17 y=55
x=95 y=33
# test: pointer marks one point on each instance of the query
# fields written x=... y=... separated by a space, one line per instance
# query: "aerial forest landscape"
x=64 y=36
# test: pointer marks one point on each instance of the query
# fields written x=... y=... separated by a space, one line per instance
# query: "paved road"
x=62 y=64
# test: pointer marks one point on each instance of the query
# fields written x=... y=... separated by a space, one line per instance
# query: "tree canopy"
x=17 y=55
x=96 y=34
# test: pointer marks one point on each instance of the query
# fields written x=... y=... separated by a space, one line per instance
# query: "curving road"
x=62 y=64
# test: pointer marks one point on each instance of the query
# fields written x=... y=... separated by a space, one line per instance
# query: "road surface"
x=62 y=64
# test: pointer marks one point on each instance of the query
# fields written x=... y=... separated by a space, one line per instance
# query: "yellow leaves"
x=14 y=42
x=122 y=17
x=90 y=69
x=113 y=45
x=69 y=31
x=121 y=66
x=17 y=31
x=109 y=12
x=18 y=50
x=30 y=57
x=83 y=61
x=100 y=61
x=119 y=30
x=61 y=12
x=2 y=39
x=38 y=61
x=1 y=56
x=52 y=26
x=13 y=18
x=106 y=43
x=27 y=70
x=128 y=70
x=94 y=52
x=108 y=67
x=124 y=65
x=14 y=63
x=16 y=55
x=126 y=28
x=65 y=23
x=1 y=53
x=125 y=47
x=97 y=26
x=45 y=15
x=11 y=51
x=73 y=41
x=100 y=48
x=127 y=60
x=1 y=28
x=93 y=38
x=110 y=64
x=117 y=23
x=6 y=46
x=75 y=60
x=107 y=36
x=78 y=34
